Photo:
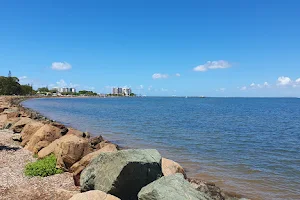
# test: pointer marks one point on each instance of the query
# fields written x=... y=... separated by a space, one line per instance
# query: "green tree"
x=10 y=86
x=43 y=89
x=27 y=90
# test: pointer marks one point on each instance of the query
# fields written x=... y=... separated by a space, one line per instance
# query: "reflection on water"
x=246 y=145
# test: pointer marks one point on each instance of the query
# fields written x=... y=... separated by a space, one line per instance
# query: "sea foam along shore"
x=128 y=171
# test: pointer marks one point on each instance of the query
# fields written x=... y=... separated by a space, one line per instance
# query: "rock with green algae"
x=173 y=187
x=122 y=173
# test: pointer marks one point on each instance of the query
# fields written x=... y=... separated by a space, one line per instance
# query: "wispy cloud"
x=220 y=64
x=221 y=90
x=243 y=88
x=159 y=76
x=63 y=83
x=61 y=66
x=177 y=74
x=22 y=77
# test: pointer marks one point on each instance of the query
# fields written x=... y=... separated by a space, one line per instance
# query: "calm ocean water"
x=247 y=145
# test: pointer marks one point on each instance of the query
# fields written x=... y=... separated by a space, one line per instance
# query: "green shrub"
x=44 y=167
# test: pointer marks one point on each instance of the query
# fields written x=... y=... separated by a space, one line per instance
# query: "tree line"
x=10 y=86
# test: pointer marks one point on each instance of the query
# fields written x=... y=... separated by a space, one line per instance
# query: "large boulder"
x=94 y=195
x=48 y=150
x=18 y=127
x=45 y=133
x=169 y=167
x=173 y=187
x=122 y=173
x=29 y=130
x=40 y=145
x=10 y=122
x=69 y=149
x=77 y=168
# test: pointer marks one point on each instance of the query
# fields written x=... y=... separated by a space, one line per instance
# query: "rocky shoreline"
x=93 y=166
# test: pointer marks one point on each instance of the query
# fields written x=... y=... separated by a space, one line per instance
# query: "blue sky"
x=211 y=48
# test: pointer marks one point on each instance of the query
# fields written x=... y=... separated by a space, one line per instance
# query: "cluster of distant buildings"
x=121 y=91
x=65 y=90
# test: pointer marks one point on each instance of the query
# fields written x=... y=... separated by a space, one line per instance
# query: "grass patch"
x=44 y=167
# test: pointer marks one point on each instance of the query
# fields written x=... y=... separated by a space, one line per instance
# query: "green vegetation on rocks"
x=44 y=167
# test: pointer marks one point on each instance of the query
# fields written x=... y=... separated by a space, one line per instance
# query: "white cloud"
x=159 y=76
x=220 y=64
x=283 y=81
x=164 y=90
x=200 y=68
x=141 y=87
x=252 y=85
x=73 y=85
x=243 y=88
x=150 y=88
x=298 y=81
x=61 y=66
x=266 y=84
x=178 y=75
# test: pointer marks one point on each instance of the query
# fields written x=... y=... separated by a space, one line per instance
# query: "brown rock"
x=29 y=130
x=169 y=167
x=103 y=144
x=95 y=140
x=208 y=188
x=69 y=150
x=3 y=119
x=80 y=165
x=64 y=194
x=10 y=122
x=45 y=133
x=48 y=150
x=13 y=115
x=18 y=127
x=77 y=133
x=94 y=195
x=40 y=145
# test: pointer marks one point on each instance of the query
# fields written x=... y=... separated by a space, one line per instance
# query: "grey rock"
x=17 y=137
x=173 y=187
x=122 y=173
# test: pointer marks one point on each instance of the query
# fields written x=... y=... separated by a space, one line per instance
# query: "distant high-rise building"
x=121 y=91
x=115 y=91
x=65 y=90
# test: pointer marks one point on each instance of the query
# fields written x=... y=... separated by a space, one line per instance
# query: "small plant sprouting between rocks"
x=44 y=167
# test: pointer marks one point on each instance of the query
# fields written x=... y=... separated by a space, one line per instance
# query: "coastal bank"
x=92 y=165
